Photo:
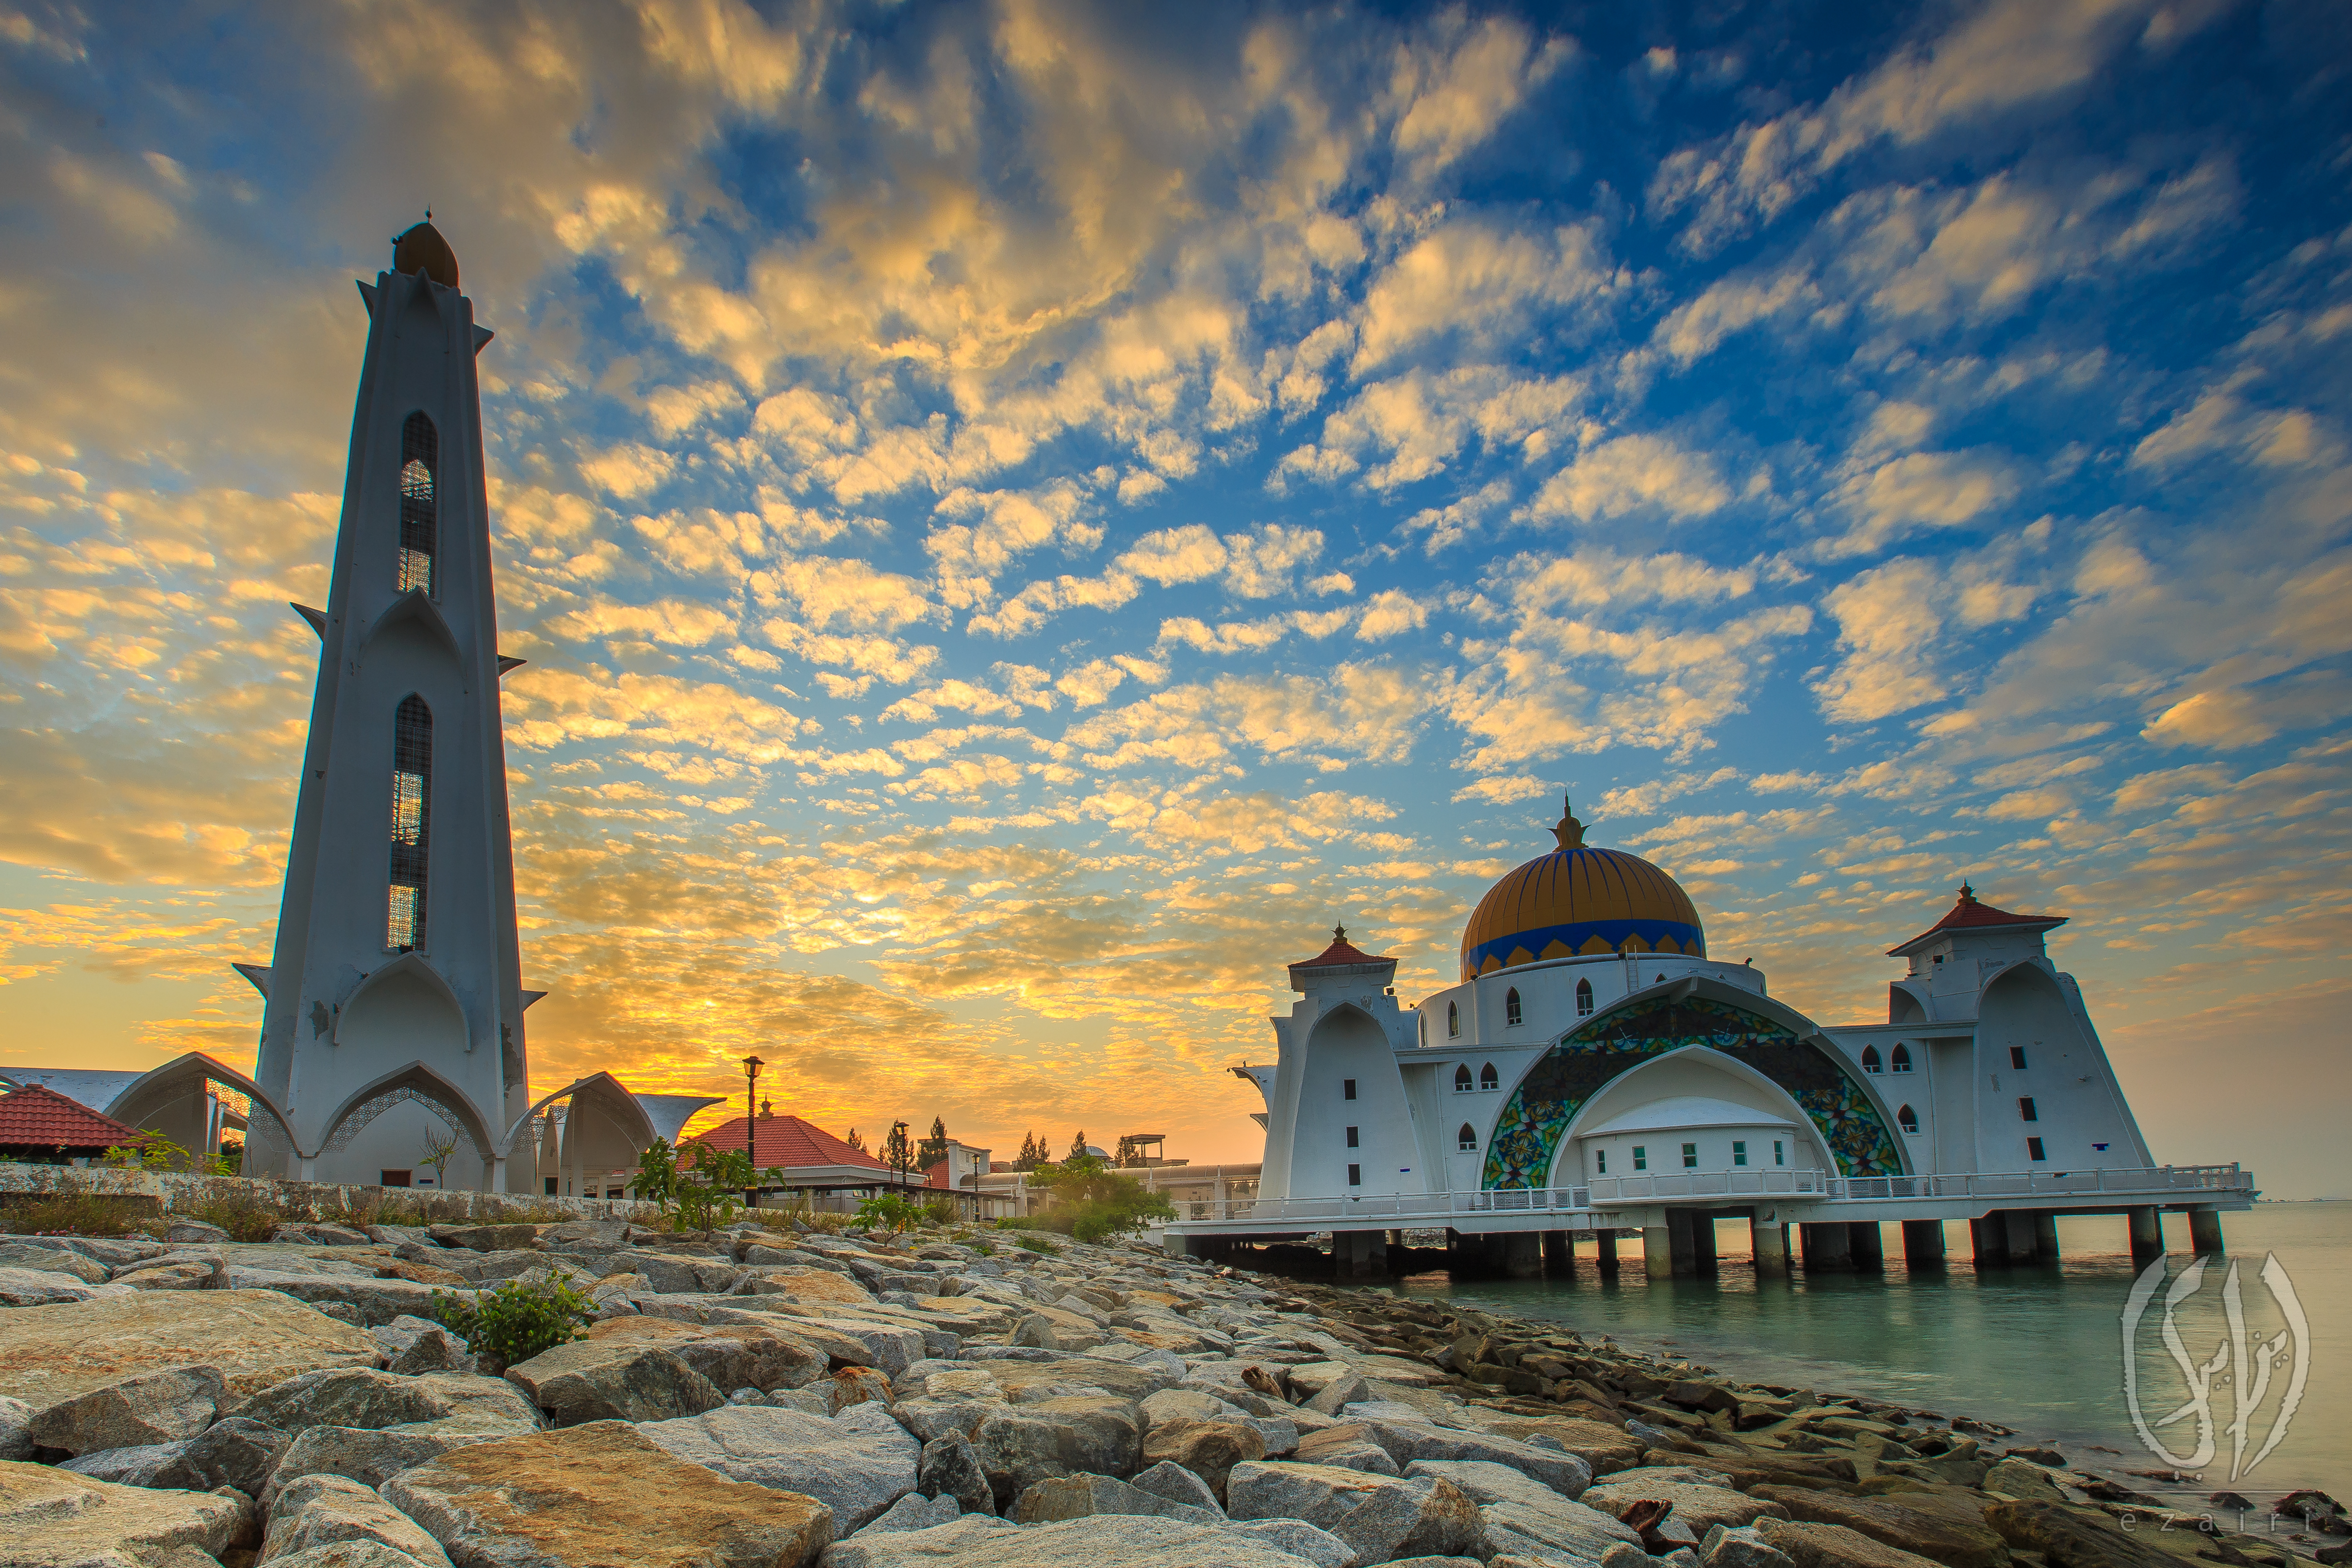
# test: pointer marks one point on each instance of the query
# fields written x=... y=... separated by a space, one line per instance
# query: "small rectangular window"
x=2017 y=1056
x=1347 y=1089
x=2025 y=1111
x=1738 y=1153
x=551 y=1188
x=2033 y=1149
x=1779 y=1156
x=1601 y=1161
x=391 y=1179
x=1351 y=1137
x=1690 y=1157
x=1641 y=1157
x=1355 y=1176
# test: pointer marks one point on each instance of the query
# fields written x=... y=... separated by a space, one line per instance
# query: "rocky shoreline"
x=781 y=1395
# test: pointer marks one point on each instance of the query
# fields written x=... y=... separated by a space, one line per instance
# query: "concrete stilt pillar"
x=2147 y=1233
x=1604 y=1250
x=1867 y=1244
x=1359 y=1254
x=1682 y=1228
x=1558 y=1252
x=1657 y=1251
x=2045 y=1238
x=1827 y=1247
x=1985 y=1241
x=1768 y=1239
x=2018 y=1231
x=1523 y=1255
x=2205 y=1230
x=1923 y=1243
x=1702 y=1233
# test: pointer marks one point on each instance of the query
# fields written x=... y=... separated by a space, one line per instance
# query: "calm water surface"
x=2036 y=1348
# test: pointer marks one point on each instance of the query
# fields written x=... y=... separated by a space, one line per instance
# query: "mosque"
x=1595 y=1069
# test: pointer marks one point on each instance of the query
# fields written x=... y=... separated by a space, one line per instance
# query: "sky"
x=1023 y=516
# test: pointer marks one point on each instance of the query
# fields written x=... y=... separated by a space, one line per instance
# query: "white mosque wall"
x=1548 y=996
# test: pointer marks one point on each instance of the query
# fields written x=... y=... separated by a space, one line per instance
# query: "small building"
x=798 y=1164
x=40 y=1126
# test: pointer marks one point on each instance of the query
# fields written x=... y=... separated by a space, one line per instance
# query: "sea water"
x=2039 y=1348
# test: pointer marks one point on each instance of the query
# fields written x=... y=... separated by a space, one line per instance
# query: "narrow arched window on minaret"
x=420 y=461
x=412 y=805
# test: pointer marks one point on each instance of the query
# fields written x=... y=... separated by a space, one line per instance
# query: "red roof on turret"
x=1341 y=954
x=34 y=1117
x=786 y=1142
x=1968 y=914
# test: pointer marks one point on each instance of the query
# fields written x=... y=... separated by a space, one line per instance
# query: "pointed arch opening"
x=1452 y=1020
x=1511 y=1013
x=412 y=823
x=1462 y=1080
x=1467 y=1138
x=1900 y=1061
x=1907 y=1119
x=1870 y=1060
x=1584 y=999
x=420 y=501
x=1488 y=1077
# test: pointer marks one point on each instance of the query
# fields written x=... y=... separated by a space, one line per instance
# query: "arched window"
x=1467 y=1137
x=412 y=812
x=1462 y=1078
x=1908 y=1118
x=1583 y=999
x=1511 y=1014
x=1453 y=1019
x=1901 y=1061
x=1870 y=1058
x=1488 y=1077
x=420 y=516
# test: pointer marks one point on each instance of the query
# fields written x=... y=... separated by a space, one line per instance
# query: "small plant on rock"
x=516 y=1320
x=889 y=1213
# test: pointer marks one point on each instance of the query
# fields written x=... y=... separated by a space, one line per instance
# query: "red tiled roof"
x=34 y=1117
x=937 y=1175
x=1341 y=951
x=786 y=1142
x=1967 y=914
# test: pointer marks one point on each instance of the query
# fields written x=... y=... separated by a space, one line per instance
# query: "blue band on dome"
x=1687 y=937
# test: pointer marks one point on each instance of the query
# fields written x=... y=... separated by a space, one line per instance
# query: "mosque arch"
x=1899 y=1059
x=420 y=507
x=1512 y=1013
x=1488 y=1077
x=1584 y=999
x=1907 y=1119
x=1462 y=1081
x=171 y=1097
x=1870 y=1062
x=1452 y=1020
x=1467 y=1138
x=414 y=1081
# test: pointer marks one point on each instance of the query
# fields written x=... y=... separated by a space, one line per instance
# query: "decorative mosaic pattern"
x=1527 y=1138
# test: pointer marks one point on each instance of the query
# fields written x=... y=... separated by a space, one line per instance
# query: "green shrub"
x=889 y=1213
x=1034 y=1242
x=74 y=1210
x=1089 y=1200
x=939 y=1211
x=515 y=1322
x=240 y=1212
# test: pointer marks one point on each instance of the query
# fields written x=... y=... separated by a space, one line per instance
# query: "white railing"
x=1429 y=1210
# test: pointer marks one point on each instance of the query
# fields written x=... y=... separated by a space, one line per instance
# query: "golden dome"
x=1576 y=901
x=423 y=249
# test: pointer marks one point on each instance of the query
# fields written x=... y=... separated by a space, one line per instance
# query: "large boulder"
x=48 y=1288
x=1522 y=1516
x=1950 y=1542
x=1379 y=1517
x=1210 y=1449
x=54 y=1261
x=370 y=1301
x=320 y=1510
x=1025 y=1444
x=367 y=1399
x=172 y=1274
x=2068 y=1537
x=732 y=1355
x=601 y=1494
x=857 y=1463
x=1810 y=1545
x=15 y=1436
x=255 y=1338
x=1407 y=1441
x=1350 y=1446
x=375 y=1457
x=950 y=1467
x=414 y=1344
x=160 y=1407
x=594 y=1380
x=1113 y=1541
x=236 y=1453
x=1082 y=1497
x=51 y=1518
x=1022 y=1381
x=485 y=1237
x=1696 y=1506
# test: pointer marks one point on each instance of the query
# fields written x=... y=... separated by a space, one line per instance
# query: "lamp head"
x=752 y=1065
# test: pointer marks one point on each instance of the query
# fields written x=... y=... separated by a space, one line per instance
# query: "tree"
x=1078 y=1144
x=855 y=1142
x=896 y=1152
x=438 y=1151
x=1029 y=1153
x=933 y=1149
x=1089 y=1200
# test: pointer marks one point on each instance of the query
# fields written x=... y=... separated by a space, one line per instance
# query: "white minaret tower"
x=394 y=1000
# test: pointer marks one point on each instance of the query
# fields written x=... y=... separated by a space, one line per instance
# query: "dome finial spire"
x=1568 y=831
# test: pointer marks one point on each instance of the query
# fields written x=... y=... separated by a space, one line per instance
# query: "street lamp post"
x=752 y=1065
x=901 y=1152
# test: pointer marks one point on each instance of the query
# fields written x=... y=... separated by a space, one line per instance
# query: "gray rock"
x=54 y=1261
x=1379 y=1518
x=1407 y=1442
x=160 y=1407
x=1521 y=1515
x=1350 y=1447
x=320 y=1236
x=367 y=1399
x=1086 y=1434
x=949 y=1468
x=1174 y=1481
x=1347 y=1389
x=51 y=1518
x=1730 y=1546
x=1081 y=1497
x=857 y=1463
x=1109 y=1541
x=15 y=1416
x=322 y=1509
x=235 y=1452
x=913 y=1511
x=193 y=1232
x=1622 y=1555
x=369 y=1301
x=414 y=1344
x=1696 y=1506
x=48 y=1288
x=347 y=1555
x=1299 y=1539
x=373 y=1456
x=172 y=1274
x=589 y=1381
